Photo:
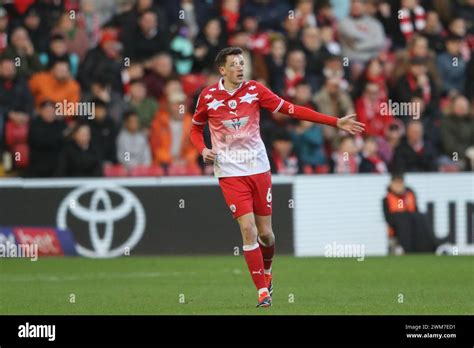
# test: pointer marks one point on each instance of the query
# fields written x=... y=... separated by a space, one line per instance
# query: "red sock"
x=254 y=259
x=267 y=253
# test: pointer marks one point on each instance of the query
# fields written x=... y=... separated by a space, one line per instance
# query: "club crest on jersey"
x=232 y=104
x=236 y=124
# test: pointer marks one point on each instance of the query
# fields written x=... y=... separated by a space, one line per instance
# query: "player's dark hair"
x=224 y=53
x=397 y=176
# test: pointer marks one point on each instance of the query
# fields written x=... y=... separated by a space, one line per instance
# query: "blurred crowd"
x=405 y=67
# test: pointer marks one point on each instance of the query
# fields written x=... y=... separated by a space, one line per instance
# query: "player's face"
x=233 y=70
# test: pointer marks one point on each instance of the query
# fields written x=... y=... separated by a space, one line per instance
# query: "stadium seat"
x=183 y=170
x=449 y=168
x=153 y=170
x=16 y=134
x=115 y=170
x=20 y=155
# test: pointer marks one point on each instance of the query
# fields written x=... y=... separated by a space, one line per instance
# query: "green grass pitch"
x=421 y=284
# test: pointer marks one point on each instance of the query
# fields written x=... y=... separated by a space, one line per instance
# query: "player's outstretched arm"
x=347 y=123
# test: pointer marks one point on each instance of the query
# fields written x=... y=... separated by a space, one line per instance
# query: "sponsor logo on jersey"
x=236 y=124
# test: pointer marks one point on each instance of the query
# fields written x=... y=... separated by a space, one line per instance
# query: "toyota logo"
x=107 y=214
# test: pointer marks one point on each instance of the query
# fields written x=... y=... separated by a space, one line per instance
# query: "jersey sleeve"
x=199 y=121
x=200 y=113
x=268 y=100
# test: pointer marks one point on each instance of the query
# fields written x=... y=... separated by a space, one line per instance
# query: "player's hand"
x=209 y=155
x=349 y=124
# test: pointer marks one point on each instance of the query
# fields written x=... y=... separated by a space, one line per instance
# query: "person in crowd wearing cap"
x=58 y=50
x=22 y=48
x=133 y=148
x=169 y=133
x=46 y=139
x=452 y=66
x=56 y=84
x=104 y=61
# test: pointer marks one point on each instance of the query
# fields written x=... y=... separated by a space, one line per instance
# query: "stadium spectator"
x=283 y=160
x=390 y=141
x=230 y=11
x=208 y=43
x=194 y=14
x=45 y=139
x=315 y=53
x=147 y=39
x=78 y=158
x=416 y=81
x=408 y=229
x=362 y=36
x=103 y=132
x=144 y=106
x=58 y=50
x=433 y=32
x=307 y=136
x=16 y=136
x=275 y=65
x=132 y=144
x=38 y=29
x=76 y=38
x=369 y=111
x=3 y=29
x=345 y=159
x=181 y=47
x=169 y=134
x=458 y=27
x=14 y=91
x=269 y=13
x=292 y=33
x=104 y=61
x=295 y=72
x=55 y=84
x=89 y=20
x=158 y=70
x=259 y=41
x=452 y=66
x=304 y=14
x=22 y=51
x=370 y=161
x=101 y=90
x=457 y=132
x=414 y=154
x=332 y=100
x=330 y=43
x=411 y=17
